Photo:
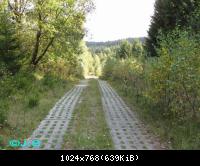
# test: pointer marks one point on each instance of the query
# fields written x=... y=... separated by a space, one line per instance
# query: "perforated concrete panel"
x=52 y=129
x=127 y=132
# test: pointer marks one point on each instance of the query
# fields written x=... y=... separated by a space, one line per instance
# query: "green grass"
x=27 y=108
x=172 y=133
x=88 y=129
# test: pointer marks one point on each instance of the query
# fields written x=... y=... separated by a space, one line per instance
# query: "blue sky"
x=119 y=19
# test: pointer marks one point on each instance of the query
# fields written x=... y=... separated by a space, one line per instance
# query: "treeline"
x=98 y=46
x=162 y=77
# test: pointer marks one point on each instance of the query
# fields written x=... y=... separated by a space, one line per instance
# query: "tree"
x=86 y=61
x=168 y=14
x=137 y=48
x=174 y=76
x=9 y=45
x=194 y=20
x=124 y=50
x=53 y=20
x=19 y=8
x=97 y=65
x=49 y=23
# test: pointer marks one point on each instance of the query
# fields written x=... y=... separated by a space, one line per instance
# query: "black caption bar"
x=126 y=157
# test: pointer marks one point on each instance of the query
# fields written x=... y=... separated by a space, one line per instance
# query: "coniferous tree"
x=124 y=50
x=9 y=45
x=168 y=15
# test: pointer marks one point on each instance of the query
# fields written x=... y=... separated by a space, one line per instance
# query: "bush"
x=127 y=71
x=166 y=89
x=6 y=87
x=9 y=85
x=86 y=62
x=174 y=78
x=23 y=80
x=49 y=81
x=57 y=67
x=109 y=67
x=170 y=82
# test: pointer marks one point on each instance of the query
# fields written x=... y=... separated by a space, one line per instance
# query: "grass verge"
x=88 y=130
x=27 y=108
x=180 y=135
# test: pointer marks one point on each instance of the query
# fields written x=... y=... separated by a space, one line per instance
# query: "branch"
x=13 y=9
x=45 y=50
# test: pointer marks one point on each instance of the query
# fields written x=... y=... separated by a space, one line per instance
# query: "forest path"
x=52 y=129
x=127 y=132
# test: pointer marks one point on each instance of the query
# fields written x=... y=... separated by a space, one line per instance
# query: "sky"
x=119 y=19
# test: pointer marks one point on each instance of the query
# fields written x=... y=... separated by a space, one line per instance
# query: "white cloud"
x=117 y=19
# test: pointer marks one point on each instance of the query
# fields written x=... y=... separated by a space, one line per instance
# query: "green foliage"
x=90 y=64
x=108 y=68
x=97 y=66
x=3 y=114
x=124 y=50
x=49 y=81
x=128 y=49
x=167 y=16
x=9 y=46
x=137 y=48
x=33 y=101
x=33 y=31
x=174 y=77
x=23 y=80
x=39 y=51
x=171 y=82
x=128 y=71
x=98 y=46
x=166 y=88
x=58 y=67
x=63 y=16
x=86 y=62
x=194 y=20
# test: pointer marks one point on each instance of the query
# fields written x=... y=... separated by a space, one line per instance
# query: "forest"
x=43 y=54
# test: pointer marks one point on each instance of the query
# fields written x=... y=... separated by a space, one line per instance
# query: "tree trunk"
x=36 y=48
x=45 y=51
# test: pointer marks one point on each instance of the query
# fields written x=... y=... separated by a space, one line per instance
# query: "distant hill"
x=111 y=43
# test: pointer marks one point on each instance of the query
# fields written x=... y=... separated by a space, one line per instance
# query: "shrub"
x=6 y=86
x=171 y=82
x=175 y=77
x=23 y=80
x=108 y=68
x=49 y=81
x=128 y=71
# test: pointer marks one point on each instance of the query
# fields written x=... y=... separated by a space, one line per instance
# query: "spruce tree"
x=9 y=46
x=167 y=16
